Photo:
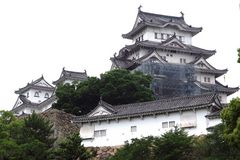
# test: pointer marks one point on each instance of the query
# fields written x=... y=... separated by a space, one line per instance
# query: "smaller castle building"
x=39 y=95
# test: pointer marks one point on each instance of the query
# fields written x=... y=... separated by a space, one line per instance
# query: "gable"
x=174 y=42
x=153 y=56
x=202 y=63
x=99 y=111
x=43 y=83
x=18 y=103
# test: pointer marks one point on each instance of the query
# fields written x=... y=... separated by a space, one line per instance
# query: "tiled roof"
x=214 y=115
x=29 y=104
x=154 y=107
x=217 y=72
x=161 y=21
x=33 y=85
x=71 y=75
x=160 y=45
x=217 y=87
x=124 y=64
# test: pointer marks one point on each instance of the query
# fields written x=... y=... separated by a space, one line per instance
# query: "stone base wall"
x=102 y=153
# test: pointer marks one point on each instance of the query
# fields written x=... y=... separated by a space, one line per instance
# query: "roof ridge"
x=168 y=99
x=162 y=15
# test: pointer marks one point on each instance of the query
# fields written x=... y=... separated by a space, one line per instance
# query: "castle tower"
x=162 y=47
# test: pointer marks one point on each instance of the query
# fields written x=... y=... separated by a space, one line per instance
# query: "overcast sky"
x=42 y=37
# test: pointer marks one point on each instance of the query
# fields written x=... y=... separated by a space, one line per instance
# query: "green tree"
x=175 y=144
x=231 y=121
x=24 y=139
x=214 y=146
x=140 y=149
x=115 y=87
x=9 y=131
x=70 y=149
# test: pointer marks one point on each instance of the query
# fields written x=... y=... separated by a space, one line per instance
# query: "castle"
x=39 y=96
x=184 y=84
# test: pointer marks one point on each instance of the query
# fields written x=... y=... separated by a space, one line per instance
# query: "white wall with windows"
x=161 y=34
x=116 y=132
x=205 y=78
x=37 y=96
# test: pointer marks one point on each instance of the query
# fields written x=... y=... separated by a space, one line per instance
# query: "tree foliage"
x=231 y=121
x=175 y=144
x=70 y=149
x=172 y=145
x=115 y=87
x=24 y=139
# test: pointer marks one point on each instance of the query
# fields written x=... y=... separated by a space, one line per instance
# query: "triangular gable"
x=174 y=42
x=137 y=21
x=43 y=83
x=100 y=111
x=102 y=108
x=202 y=63
x=155 y=55
x=18 y=103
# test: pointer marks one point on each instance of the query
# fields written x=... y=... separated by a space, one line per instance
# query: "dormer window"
x=46 y=95
x=36 y=94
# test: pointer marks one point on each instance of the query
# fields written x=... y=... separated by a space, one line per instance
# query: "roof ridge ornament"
x=182 y=14
x=139 y=8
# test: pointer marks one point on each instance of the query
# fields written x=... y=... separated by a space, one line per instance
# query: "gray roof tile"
x=154 y=107
x=71 y=75
x=158 y=20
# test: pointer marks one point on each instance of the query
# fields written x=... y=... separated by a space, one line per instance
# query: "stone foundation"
x=102 y=153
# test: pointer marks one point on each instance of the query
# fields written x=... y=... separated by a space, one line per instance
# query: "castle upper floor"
x=158 y=28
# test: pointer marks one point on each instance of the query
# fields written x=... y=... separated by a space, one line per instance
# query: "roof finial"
x=85 y=71
x=63 y=68
x=182 y=14
x=139 y=8
x=100 y=101
x=115 y=55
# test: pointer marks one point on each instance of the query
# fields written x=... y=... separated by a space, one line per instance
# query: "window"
x=208 y=79
x=140 y=38
x=171 y=124
x=156 y=35
x=27 y=94
x=164 y=124
x=133 y=128
x=99 y=133
x=162 y=36
x=36 y=94
x=182 y=60
x=46 y=95
x=205 y=79
x=164 y=57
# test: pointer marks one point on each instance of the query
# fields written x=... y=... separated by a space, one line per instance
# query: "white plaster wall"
x=119 y=132
x=200 y=77
x=223 y=97
x=149 y=34
x=213 y=122
x=41 y=97
x=175 y=58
